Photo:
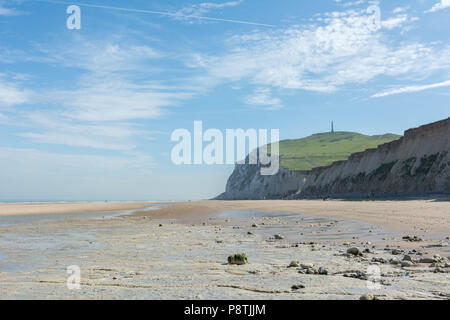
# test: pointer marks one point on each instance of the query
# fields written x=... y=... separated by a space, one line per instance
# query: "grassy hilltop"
x=323 y=149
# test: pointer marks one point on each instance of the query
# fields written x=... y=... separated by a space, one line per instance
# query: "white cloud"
x=8 y=11
x=400 y=9
x=11 y=94
x=351 y=3
x=439 y=6
x=340 y=49
x=203 y=8
x=101 y=108
x=409 y=89
x=263 y=97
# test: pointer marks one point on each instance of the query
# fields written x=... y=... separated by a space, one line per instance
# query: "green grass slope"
x=324 y=148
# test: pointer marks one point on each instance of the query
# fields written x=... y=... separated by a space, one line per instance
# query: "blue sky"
x=87 y=114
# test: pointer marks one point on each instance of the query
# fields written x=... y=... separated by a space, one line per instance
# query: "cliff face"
x=419 y=162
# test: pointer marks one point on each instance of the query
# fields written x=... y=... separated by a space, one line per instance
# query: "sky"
x=87 y=114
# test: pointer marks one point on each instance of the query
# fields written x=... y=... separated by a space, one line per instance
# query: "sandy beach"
x=180 y=250
x=8 y=209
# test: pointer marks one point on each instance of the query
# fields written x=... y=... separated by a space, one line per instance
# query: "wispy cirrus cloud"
x=9 y=12
x=198 y=10
x=108 y=95
x=439 y=6
x=11 y=93
x=263 y=97
x=339 y=49
x=410 y=89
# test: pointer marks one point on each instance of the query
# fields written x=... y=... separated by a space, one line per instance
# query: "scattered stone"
x=311 y=271
x=406 y=264
x=250 y=233
x=306 y=266
x=367 y=297
x=407 y=258
x=427 y=260
x=394 y=261
x=357 y=275
x=440 y=270
x=298 y=287
x=278 y=237
x=255 y=225
x=412 y=239
x=396 y=252
x=294 y=264
x=323 y=271
x=379 y=260
x=239 y=259
x=354 y=251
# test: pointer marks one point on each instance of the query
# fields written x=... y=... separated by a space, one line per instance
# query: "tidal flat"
x=291 y=255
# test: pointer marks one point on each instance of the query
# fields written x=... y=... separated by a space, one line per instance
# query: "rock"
x=379 y=260
x=255 y=225
x=427 y=260
x=250 y=233
x=311 y=271
x=160 y=225
x=306 y=265
x=298 y=287
x=406 y=264
x=278 y=237
x=354 y=251
x=396 y=252
x=412 y=239
x=357 y=275
x=407 y=258
x=367 y=296
x=323 y=271
x=238 y=259
x=394 y=261
x=294 y=264
x=440 y=270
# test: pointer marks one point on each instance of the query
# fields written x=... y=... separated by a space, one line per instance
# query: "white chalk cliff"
x=417 y=163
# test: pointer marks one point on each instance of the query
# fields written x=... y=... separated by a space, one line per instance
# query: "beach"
x=296 y=250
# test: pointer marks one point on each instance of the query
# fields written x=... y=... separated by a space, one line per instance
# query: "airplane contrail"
x=169 y=14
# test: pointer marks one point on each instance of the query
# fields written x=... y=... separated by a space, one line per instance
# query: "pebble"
x=406 y=264
x=427 y=260
x=407 y=258
x=323 y=271
x=294 y=264
x=367 y=297
x=354 y=251
x=307 y=265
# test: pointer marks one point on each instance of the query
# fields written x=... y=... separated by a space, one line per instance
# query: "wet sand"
x=181 y=250
x=414 y=216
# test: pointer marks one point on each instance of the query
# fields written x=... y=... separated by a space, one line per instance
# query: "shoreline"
x=413 y=216
x=36 y=208
x=410 y=216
